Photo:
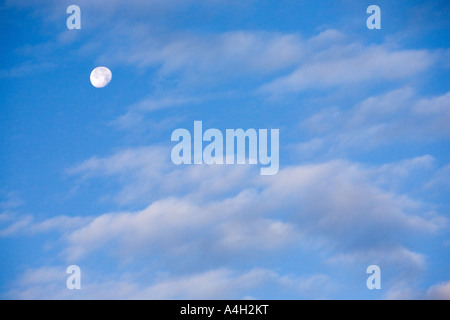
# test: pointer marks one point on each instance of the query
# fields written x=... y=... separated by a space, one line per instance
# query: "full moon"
x=100 y=77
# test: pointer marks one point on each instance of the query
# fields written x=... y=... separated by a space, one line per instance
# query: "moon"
x=101 y=77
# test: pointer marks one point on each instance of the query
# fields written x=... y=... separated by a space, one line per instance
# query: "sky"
x=87 y=178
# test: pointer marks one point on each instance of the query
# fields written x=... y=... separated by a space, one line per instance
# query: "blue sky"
x=86 y=176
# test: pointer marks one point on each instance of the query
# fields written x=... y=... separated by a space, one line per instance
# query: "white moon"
x=100 y=77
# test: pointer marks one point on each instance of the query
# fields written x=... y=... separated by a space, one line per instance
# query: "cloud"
x=147 y=174
x=335 y=209
x=270 y=62
x=103 y=7
x=440 y=179
x=49 y=283
x=405 y=167
x=439 y=292
x=222 y=283
x=411 y=262
x=26 y=69
x=404 y=290
x=406 y=174
x=374 y=122
x=304 y=206
x=336 y=199
x=10 y=200
x=26 y=225
x=346 y=63
x=41 y=283
x=207 y=59
x=274 y=63
x=328 y=59
x=136 y=112
x=338 y=211
x=16 y=226
x=172 y=227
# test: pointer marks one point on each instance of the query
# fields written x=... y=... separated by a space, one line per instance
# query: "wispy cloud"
x=439 y=291
x=27 y=226
x=10 y=200
x=136 y=112
x=349 y=64
x=45 y=283
x=26 y=69
x=238 y=234
x=376 y=122
x=206 y=60
x=317 y=204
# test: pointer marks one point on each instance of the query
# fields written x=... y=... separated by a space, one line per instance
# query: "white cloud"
x=343 y=208
x=234 y=211
x=409 y=173
x=26 y=68
x=328 y=59
x=434 y=114
x=16 y=226
x=50 y=283
x=405 y=167
x=42 y=283
x=172 y=227
x=349 y=64
x=390 y=256
x=26 y=225
x=394 y=117
x=136 y=112
x=147 y=174
x=338 y=198
x=404 y=290
x=10 y=200
x=43 y=275
x=249 y=235
x=206 y=59
x=440 y=179
x=439 y=292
